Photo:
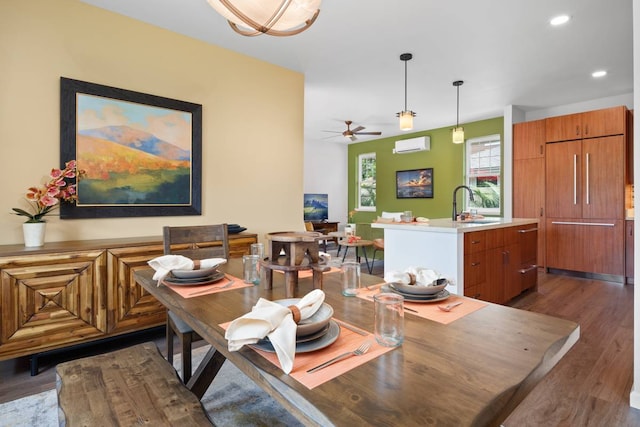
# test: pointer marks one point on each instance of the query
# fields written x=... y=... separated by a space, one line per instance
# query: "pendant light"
x=274 y=17
x=406 y=116
x=458 y=131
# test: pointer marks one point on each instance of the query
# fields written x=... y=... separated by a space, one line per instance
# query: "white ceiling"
x=505 y=51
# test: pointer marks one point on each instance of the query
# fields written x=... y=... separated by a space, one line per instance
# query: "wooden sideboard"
x=67 y=293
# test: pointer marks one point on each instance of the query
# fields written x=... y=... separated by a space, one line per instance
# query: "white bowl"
x=420 y=290
x=194 y=274
x=312 y=324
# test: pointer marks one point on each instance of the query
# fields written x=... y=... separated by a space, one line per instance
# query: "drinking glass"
x=250 y=269
x=257 y=249
x=389 y=319
x=350 y=278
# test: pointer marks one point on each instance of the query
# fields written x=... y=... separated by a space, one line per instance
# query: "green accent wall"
x=446 y=159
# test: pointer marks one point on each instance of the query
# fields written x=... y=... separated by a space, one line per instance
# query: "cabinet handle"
x=577 y=130
x=541 y=149
x=526 y=270
x=528 y=230
x=541 y=211
x=475 y=242
x=575 y=183
x=475 y=264
x=599 y=224
x=586 y=130
x=587 y=173
x=505 y=257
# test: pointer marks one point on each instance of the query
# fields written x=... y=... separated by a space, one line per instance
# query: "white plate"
x=441 y=296
x=198 y=281
x=308 y=346
x=418 y=290
x=194 y=274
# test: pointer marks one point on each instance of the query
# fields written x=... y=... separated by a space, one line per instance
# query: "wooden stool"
x=127 y=387
x=291 y=275
x=295 y=245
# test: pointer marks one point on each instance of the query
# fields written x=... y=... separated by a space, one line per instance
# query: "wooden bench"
x=127 y=387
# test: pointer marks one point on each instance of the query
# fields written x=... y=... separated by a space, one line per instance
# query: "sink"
x=480 y=221
x=484 y=221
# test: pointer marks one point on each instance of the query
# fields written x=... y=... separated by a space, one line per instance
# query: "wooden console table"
x=68 y=293
x=325 y=227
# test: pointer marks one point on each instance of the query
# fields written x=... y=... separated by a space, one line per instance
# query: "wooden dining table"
x=471 y=372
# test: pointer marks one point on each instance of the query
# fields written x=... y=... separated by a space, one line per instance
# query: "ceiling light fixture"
x=406 y=116
x=458 y=131
x=600 y=73
x=274 y=17
x=559 y=20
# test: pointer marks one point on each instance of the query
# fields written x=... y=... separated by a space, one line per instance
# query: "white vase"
x=33 y=233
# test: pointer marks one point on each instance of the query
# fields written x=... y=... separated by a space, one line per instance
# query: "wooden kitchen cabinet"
x=529 y=177
x=585 y=178
x=68 y=293
x=590 y=124
x=629 y=250
x=529 y=140
x=586 y=245
x=499 y=264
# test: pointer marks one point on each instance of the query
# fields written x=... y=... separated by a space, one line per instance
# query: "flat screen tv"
x=316 y=207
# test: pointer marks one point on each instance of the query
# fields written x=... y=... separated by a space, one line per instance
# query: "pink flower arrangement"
x=60 y=187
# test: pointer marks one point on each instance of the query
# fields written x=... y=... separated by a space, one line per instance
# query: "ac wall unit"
x=412 y=145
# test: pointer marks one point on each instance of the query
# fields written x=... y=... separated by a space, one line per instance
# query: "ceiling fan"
x=351 y=133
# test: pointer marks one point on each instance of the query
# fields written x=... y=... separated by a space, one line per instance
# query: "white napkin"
x=423 y=276
x=165 y=263
x=271 y=319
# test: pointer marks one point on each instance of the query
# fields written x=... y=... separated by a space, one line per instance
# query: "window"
x=483 y=159
x=367 y=182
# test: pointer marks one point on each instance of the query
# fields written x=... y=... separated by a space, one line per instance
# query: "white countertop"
x=446 y=225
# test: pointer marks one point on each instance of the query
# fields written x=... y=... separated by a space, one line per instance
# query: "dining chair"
x=195 y=242
x=378 y=245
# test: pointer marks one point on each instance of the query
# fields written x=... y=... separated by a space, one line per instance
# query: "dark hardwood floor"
x=589 y=387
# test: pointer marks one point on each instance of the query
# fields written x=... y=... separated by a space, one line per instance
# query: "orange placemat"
x=430 y=310
x=347 y=341
x=219 y=286
x=309 y=273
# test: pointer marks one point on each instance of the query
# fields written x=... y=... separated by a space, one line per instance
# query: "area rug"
x=231 y=400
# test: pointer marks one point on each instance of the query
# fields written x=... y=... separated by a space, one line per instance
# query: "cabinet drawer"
x=475 y=269
x=528 y=276
x=475 y=242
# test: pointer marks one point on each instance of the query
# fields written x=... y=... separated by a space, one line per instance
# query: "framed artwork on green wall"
x=414 y=184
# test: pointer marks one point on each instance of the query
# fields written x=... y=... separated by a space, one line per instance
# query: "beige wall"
x=252 y=114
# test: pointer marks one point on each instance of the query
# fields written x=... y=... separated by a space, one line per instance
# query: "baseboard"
x=634 y=397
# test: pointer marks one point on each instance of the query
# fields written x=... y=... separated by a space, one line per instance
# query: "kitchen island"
x=493 y=259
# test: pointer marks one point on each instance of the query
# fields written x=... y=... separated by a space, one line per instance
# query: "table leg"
x=206 y=372
x=290 y=283
x=366 y=259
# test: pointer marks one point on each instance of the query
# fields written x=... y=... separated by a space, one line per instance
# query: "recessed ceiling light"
x=559 y=20
x=600 y=73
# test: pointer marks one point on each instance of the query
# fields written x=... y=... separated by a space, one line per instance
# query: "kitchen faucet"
x=455 y=207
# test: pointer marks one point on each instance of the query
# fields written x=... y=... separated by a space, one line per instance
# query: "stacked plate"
x=424 y=294
x=235 y=228
x=314 y=333
x=203 y=276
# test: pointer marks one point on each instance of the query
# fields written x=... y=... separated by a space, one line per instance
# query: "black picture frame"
x=178 y=188
x=414 y=184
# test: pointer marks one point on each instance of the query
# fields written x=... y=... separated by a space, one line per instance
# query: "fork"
x=204 y=291
x=448 y=307
x=364 y=347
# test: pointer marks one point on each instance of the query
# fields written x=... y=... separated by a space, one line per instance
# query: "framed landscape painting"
x=416 y=183
x=316 y=207
x=140 y=154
